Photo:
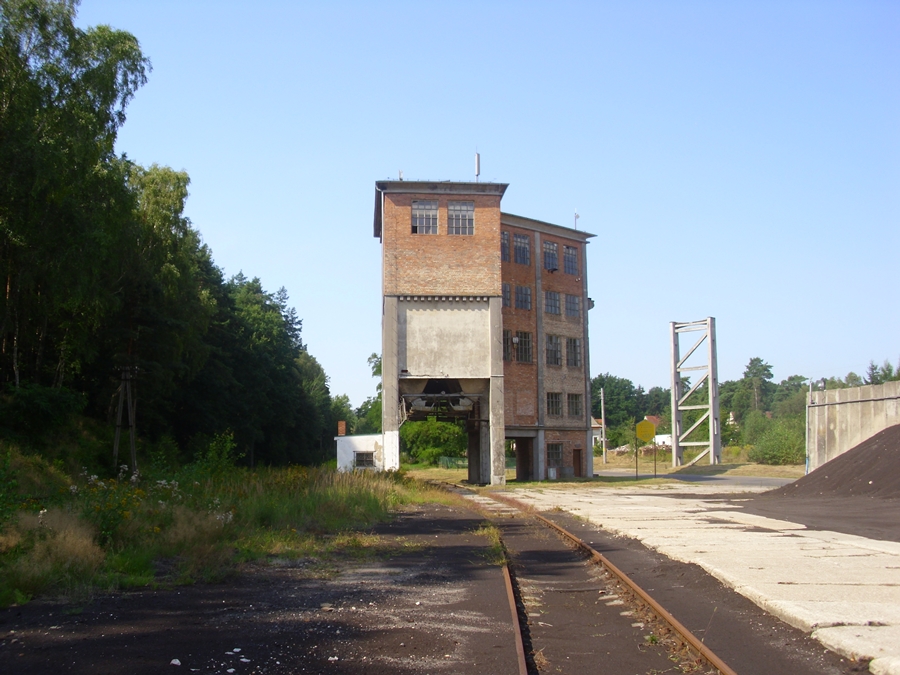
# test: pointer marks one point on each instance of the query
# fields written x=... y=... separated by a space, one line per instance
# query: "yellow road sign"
x=645 y=430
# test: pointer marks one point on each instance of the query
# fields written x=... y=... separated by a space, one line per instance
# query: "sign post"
x=645 y=431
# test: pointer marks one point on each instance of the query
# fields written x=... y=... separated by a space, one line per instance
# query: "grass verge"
x=77 y=536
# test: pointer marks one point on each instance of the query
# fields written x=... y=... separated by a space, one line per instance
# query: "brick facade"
x=438 y=264
x=441 y=264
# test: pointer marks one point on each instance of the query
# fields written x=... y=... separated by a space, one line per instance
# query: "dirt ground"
x=438 y=604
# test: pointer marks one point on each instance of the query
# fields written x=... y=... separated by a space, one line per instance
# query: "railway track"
x=575 y=611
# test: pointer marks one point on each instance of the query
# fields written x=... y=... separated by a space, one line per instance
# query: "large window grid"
x=554 y=350
x=573 y=352
x=504 y=246
x=507 y=296
x=461 y=218
x=575 y=405
x=554 y=403
x=554 y=455
x=522 y=249
x=551 y=302
x=424 y=216
x=570 y=260
x=551 y=256
x=573 y=305
x=523 y=347
x=523 y=297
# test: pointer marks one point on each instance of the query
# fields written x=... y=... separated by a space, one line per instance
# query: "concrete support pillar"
x=496 y=440
x=474 y=455
x=390 y=394
x=540 y=457
x=486 y=454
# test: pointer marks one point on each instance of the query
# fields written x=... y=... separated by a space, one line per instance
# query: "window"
x=461 y=218
x=424 y=217
x=507 y=345
x=551 y=256
x=573 y=305
x=574 y=403
x=507 y=296
x=523 y=297
x=551 y=302
x=363 y=460
x=522 y=248
x=554 y=403
x=554 y=350
x=504 y=246
x=573 y=352
x=554 y=455
x=570 y=260
x=523 y=347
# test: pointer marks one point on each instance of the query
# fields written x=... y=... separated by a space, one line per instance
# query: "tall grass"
x=200 y=522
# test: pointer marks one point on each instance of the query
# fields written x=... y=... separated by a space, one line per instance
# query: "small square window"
x=570 y=260
x=523 y=297
x=424 y=216
x=507 y=296
x=575 y=404
x=523 y=347
x=573 y=352
x=522 y=249
x=551 y=256
x=363 y=460
x=554 y=403
x=551 y=302
x=573 y=305
x=504 y=246
x=554 y=455
x=461 y=218
x=554 y=350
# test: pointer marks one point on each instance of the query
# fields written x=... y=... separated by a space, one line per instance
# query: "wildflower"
x=73 y=489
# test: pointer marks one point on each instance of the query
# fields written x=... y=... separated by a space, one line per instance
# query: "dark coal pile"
x=871 y=469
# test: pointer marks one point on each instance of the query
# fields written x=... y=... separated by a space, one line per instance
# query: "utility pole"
x=125 y=396
x=603 y=423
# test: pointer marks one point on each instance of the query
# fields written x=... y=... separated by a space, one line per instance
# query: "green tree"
x=63 y=197
x=369 y=413
x=428 y=440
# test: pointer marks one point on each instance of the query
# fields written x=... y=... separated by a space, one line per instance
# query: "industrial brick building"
x=485 y=320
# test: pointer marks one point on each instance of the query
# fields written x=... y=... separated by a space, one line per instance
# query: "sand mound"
x=871 y=469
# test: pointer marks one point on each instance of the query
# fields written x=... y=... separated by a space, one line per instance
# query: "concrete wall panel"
x=840 y=419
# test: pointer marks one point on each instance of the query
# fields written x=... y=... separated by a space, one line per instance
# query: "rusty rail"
x=658 y=609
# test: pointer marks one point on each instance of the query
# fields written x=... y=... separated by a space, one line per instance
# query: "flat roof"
x=543 y=227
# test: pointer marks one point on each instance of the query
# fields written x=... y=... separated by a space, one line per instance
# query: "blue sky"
x=735 y=159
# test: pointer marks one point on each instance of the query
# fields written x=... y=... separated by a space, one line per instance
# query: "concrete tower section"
x=442 y=332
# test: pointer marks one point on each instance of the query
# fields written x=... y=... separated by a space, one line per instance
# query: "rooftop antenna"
x=477 y=166
x=401 y=174
x=576 y=217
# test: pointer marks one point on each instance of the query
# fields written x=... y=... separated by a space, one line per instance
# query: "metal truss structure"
x=709 y=411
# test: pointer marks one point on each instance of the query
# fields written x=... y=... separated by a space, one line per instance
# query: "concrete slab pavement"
x=841 y=588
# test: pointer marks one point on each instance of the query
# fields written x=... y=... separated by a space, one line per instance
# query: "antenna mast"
x=477 y=166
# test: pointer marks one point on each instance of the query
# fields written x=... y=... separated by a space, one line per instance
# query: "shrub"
x=783 y=442
x=427 y=441
x=34 y=410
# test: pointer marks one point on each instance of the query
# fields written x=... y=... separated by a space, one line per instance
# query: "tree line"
x=103 y=271
x=754 y=410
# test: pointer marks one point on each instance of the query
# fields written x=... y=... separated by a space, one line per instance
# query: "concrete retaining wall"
x=840 y=419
